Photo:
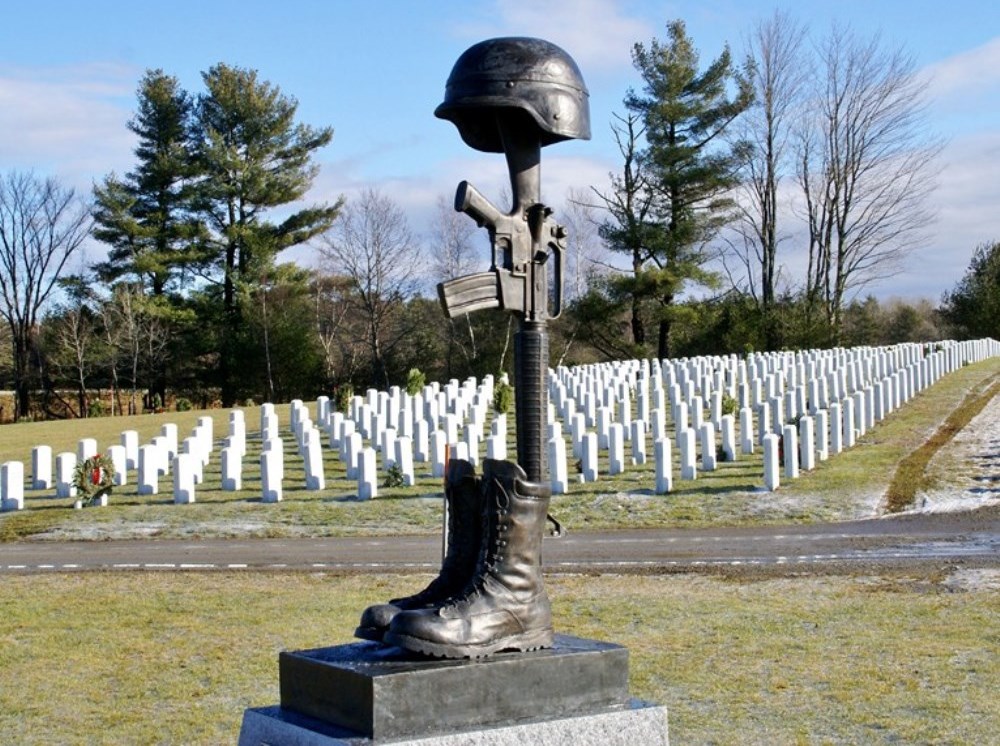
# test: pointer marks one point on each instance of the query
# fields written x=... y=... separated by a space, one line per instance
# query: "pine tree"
x=251 y=157
x=690 y=168
x=143 y=217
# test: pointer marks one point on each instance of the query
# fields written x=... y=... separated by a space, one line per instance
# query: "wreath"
x=93 y=478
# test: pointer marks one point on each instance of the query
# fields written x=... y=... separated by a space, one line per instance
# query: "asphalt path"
x=968 y=538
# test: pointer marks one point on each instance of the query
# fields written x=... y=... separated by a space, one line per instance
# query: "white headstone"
x=746 y=430
x=772 y=478
x=404 y=459
x=41 y=467
x=589 y=457
x=232 y=469
x=421 y=441
x=149 y=469
x=790 y=446
x=117 y=456
x=367 y=474
x=184 y=477
x=12 y=486
x=836 y=429
x=807 y=443
x=685 y=442
x=65 y=466
x=272 y=469
x=727 y=432
x=616 y=448
x=708 y=448
x=313 y=457
x=130 y=440
x=822 y=434
x=496 y=447
x=558 y=467
x=168 y=431
x=163 y=454
x=352 y=453
x=438 y=444
x=86 y=448
x=664 y=468
x=191 y=446
x=638 y=440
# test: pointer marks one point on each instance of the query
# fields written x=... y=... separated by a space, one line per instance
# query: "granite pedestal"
x=366 y=693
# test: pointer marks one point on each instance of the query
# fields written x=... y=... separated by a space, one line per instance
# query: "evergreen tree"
x=974 y=305
x=143 y=217
x=690 y=168
x=251 y=157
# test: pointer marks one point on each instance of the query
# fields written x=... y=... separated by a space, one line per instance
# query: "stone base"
x=574 y=692
x=635 y=723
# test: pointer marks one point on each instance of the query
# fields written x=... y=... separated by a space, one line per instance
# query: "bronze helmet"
x=516 y=74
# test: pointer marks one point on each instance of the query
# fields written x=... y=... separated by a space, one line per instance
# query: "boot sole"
x=525 y=642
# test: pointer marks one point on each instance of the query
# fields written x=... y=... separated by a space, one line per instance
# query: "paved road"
x=970 y=538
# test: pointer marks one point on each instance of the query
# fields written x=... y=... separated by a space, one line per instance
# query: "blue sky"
x=374 y=71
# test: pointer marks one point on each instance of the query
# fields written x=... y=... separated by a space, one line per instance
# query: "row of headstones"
x=165 y=454
x=427 y=425
x=401 y=431
x=868 y=384
x=434 y=418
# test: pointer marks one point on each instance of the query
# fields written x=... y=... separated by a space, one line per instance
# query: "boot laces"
x=490 y=554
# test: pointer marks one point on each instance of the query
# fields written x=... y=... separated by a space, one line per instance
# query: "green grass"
x=846 y=486
x=140 y=658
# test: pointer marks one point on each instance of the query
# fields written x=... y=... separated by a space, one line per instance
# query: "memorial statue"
x=509 y=95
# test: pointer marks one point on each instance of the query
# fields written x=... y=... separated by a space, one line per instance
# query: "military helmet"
x=533 y=76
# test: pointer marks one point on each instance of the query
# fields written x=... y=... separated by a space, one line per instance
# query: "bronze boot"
x=504 y=607
x=464 y=498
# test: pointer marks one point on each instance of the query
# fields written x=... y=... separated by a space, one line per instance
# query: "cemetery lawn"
x=144 y=657
x=850 y=485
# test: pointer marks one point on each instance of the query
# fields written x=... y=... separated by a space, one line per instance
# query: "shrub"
x=729 y=405
x=183 y=404
x=342 y=396
x=503 y=397
x=415 y=381
x=394 y=477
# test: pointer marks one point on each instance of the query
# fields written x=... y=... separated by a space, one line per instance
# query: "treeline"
x=300 y=339
x=685 y=252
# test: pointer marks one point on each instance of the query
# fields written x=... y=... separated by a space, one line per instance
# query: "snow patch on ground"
x=124 y=531
x=967 y=469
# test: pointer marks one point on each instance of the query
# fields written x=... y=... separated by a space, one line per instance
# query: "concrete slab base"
x=636 y=722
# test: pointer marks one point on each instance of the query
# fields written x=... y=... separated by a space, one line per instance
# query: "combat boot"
x=465 y=527
x=504 y=607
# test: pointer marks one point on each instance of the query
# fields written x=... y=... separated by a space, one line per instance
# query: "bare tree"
x=456 y=255
x=778 y=74
x=866 y=165
x=583 y=243
x=372 y=246
x=74 y=333
x=138 y=328
x=335 y=327
x=41 y=225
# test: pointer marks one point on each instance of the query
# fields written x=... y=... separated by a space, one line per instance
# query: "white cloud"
x=67 y=121
x=965 y=73
x=598 y=34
